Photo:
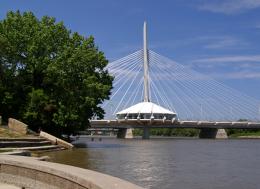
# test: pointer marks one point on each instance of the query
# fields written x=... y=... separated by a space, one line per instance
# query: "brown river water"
x=170 y=163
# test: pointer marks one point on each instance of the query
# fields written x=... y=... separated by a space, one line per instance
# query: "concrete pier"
x=146 y=133
x=125 y=133
x=213 y=133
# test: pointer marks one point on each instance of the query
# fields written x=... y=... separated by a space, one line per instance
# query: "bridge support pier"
x=125 y=133
x=213 y=133
x=146 y=133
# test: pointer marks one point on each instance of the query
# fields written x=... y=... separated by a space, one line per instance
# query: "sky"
x=220 y=38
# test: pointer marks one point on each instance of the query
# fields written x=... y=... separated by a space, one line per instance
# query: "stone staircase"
x=16 y=136
x=23 y=142
x=27 y=143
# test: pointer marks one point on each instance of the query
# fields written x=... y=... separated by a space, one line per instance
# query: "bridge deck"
x=169 y=124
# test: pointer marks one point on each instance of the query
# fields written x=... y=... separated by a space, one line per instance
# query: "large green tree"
x=50 y=77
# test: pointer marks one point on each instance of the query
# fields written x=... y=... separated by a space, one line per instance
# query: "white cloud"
x=230 y=67
x=252 y=58
x=206 y=42
x=237 y=75
x=229 y=6
x=258 y=26
x=220 y=42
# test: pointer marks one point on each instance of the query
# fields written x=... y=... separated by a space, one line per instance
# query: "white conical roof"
x=145 y=108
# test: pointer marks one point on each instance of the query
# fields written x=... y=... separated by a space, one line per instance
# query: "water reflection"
x=170 y=163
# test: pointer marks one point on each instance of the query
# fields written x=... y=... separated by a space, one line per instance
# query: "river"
x=170 y=163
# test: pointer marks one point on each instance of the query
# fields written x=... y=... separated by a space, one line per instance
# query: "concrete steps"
x=30 y=144
x=35 y=148
x=9 y=144
x=17 y=136
x=28 y=139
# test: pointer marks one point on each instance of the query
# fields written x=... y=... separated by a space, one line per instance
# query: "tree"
x=50 y=77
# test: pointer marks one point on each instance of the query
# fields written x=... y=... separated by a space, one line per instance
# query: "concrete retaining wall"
x=30 y=173
x=17 y=126
x=55 y=140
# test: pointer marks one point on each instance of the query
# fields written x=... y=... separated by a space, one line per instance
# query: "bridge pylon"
x=146 y=110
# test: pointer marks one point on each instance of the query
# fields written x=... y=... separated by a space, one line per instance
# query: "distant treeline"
x=178 y=132
x=169 y=132
x=243 y=132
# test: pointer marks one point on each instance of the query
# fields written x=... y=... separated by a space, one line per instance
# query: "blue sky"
x=220 y=38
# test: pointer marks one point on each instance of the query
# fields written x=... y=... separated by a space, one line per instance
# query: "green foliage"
x=49 y=77
x=137 y=132
x=169 y=132
x=243 y=132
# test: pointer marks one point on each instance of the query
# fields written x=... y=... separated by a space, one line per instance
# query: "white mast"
x=146 y=75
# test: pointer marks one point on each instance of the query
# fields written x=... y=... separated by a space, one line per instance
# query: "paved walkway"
x=7 y=186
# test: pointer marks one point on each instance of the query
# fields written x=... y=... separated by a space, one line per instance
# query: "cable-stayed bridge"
x=152 y=91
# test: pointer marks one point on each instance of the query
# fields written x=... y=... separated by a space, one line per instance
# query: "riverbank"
x=101 y=137
x=248 y=137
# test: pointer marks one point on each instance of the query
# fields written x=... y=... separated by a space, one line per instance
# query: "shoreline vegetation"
x=168 y=132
